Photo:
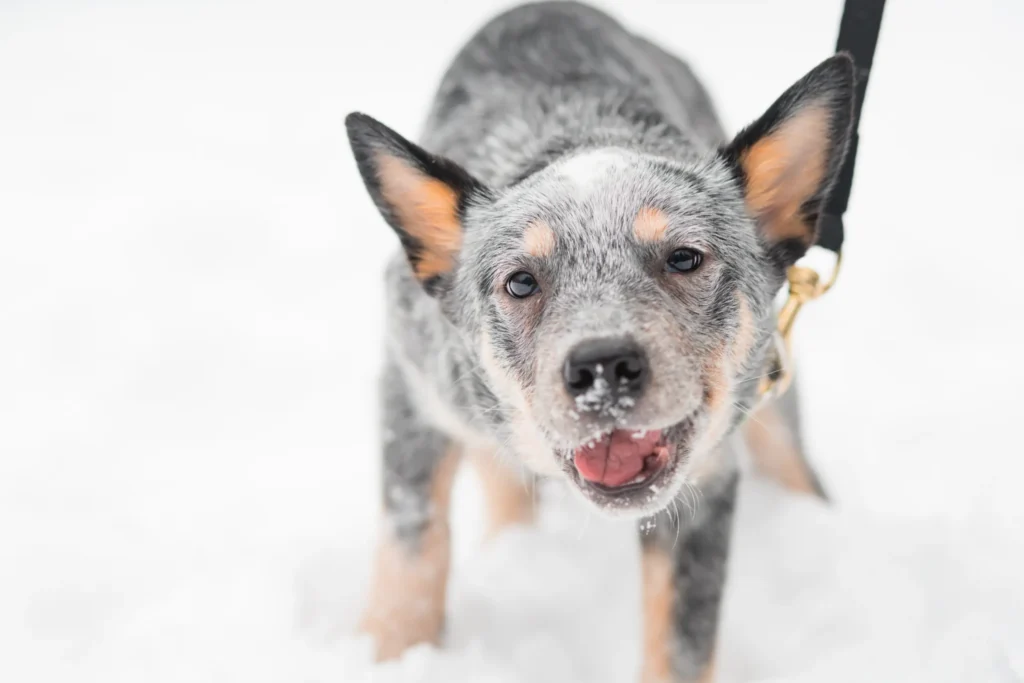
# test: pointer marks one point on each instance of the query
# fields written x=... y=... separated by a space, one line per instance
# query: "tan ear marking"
x=427 y=210
x=539 y=239
x=650 y=224
x=784 y=169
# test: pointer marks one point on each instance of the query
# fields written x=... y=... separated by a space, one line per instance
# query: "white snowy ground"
x=189 y=316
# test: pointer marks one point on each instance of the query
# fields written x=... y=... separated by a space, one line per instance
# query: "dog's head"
x=620 y=303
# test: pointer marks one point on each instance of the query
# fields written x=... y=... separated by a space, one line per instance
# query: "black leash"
x=858 y=35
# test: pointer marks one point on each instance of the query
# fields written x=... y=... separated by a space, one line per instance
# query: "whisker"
x=749 y=413
x=695 y=495
x=754 y=379
x=679 y=522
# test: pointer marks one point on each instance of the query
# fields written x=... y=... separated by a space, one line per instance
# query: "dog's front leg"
x=684 y=569
x=407 y=597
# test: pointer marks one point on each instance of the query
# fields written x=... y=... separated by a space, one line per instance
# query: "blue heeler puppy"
x=585 y=291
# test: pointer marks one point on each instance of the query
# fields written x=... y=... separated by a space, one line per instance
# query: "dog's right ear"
x=423 y=197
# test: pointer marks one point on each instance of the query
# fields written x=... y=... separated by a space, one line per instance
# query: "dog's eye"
x=684 y=260
x=522 y=285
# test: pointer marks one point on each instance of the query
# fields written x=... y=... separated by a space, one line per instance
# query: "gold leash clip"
x=805 y=284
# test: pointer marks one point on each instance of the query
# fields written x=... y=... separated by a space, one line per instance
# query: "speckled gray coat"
x=555 y=137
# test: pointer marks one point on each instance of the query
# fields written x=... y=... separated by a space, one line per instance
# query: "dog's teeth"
x=637 y=479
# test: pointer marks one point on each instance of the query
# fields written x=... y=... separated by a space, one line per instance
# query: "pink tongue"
x=616 y=458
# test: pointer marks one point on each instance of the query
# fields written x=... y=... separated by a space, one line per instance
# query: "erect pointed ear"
x=422 y=196
x=789 y=159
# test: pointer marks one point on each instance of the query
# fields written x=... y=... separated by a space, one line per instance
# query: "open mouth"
x=624 y=467
x=622 y=460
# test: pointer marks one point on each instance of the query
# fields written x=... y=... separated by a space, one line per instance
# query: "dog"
x=585 y=291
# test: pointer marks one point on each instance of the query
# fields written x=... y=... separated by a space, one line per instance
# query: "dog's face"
x=623 y=301
x=620 y=303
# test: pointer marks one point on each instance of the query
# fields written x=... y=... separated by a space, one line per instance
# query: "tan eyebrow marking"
x=650 y=224
x=539 y=239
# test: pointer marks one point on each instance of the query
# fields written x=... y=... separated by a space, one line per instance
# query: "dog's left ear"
x=422 y=196
x=789 y=159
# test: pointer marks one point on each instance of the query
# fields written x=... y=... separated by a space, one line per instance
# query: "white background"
x=190 y=315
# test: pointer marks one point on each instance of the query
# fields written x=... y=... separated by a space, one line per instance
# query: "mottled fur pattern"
x=553 y=133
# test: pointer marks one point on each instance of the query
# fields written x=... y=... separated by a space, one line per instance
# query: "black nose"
x=620 y=362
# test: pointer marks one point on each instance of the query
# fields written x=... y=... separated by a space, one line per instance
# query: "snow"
x=191 y=317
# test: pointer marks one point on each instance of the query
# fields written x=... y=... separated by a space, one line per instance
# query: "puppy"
x=585 y=290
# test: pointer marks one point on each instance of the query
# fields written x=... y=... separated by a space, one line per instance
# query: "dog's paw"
x=397 y=627
x=407 y=600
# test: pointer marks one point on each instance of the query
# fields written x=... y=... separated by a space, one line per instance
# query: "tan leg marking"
x=709 y=672
x=407 y=598
x=774 y=451
x=659 y=597
x=508 y=496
